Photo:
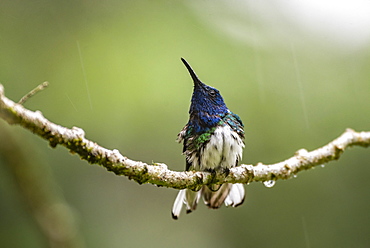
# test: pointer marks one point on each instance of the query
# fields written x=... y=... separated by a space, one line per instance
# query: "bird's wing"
x=234 y=121
x=182 y=134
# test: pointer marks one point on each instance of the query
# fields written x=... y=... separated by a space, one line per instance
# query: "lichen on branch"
x=159 y=174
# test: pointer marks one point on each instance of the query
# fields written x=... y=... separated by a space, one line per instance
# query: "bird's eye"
x=212 y=93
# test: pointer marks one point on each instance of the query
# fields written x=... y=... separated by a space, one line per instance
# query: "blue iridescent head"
x=207 y=105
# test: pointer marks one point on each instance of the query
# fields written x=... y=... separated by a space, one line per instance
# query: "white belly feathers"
x=223 y=150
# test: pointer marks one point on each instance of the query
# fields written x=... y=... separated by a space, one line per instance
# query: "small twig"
x=33 y=92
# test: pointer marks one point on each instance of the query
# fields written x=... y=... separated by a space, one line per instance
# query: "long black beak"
x=192 y=73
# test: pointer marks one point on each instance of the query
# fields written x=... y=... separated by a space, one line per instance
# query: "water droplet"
x=269 y=183
x=322 y=166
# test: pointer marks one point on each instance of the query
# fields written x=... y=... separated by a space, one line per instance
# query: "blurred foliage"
x=114 y=70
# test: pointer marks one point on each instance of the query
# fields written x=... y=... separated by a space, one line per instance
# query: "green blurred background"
x=296 y=73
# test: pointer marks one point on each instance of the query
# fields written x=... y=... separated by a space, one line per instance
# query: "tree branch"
x=158 y=173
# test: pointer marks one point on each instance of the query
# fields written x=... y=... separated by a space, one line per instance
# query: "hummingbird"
x=213 y=141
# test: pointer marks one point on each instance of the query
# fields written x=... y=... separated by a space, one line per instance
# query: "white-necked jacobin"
x=213 y=141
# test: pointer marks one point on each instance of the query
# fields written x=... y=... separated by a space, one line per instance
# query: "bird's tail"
x=187 y=197
x=230 y=194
